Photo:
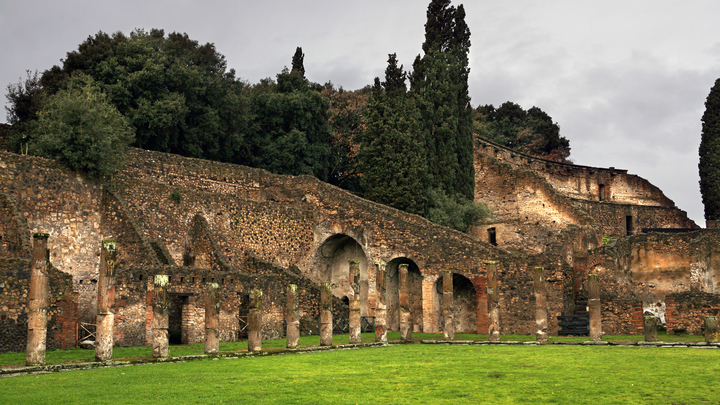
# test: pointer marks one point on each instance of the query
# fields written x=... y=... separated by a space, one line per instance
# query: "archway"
x=392 y=294
x=335 y=254
x=464 y=304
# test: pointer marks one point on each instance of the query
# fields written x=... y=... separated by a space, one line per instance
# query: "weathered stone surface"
x=38 y=305
x=326 y=316
x=160 y=338
x=292 y=317
x=212 y=319
x=255 y=320
x=106 y=297
x=650 y=328
x=594 y=307
x=710 y=329
x=381 y=307
x=541 y=313
x=493 y=300
x=406 y=326
x=447 y=305
x=354 y=270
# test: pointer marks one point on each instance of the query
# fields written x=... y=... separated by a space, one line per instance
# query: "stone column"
x=292 y=317
x=650 y=328
x=594 y=306
x=448 y=305
x=212 y=319
x=161 y=320
x=380 y=307
x=710 y=329
x=541 y=313
x=355 y=336
x=326 y=317
x=38 y=303
x=106 y=299
x=493 y=300
x=255 y=321
x=404 y=298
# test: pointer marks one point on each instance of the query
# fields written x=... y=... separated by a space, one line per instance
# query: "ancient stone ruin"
x=288 y=254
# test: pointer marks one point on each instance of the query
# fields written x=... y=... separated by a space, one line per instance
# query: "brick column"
x=354 y=270
x=481 y=304
x=212 y=319
x=255 y=321
x=428 y=304
x=447 y=305
x=160 y=316
x=326 y=317
x=493 y=299
x=637 y=319
x=292 y=317
x=594 y=307
x=541 y=312
x=380 y=308
x=106 y=297
x=405 y=318
x=38 y=303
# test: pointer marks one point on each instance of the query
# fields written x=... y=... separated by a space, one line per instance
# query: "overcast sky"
x=626 y=80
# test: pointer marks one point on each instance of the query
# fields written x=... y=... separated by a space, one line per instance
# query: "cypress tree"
x=392 y=157
x=440 y=84
x=710 y=156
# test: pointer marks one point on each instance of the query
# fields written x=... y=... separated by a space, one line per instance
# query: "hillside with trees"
x=405 y=141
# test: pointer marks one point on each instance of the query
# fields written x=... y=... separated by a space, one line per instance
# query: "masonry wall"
x=14 y=289
x=54 y=200
x=659 y=273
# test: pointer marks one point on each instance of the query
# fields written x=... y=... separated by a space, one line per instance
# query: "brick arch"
x=332 y=259
x=415 y=286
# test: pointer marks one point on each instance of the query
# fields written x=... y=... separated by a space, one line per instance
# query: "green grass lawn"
x=131 y=353
x=402 y=374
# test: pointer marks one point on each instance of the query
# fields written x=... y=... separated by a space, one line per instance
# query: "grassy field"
x=402 y=374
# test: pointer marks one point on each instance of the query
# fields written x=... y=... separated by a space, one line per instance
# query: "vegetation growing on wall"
x=532 y=132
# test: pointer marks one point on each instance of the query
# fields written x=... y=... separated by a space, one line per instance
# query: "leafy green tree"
x=392 y=157
x=455 y=212
x=439 y=82
x=291 y=130
x=81 y=128
x=710 y=155
x=348 y=110
x=532 y=131
x=25 y=98
x=176 y=93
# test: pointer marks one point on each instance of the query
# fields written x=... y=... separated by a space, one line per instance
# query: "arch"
x=333 y=258
x=464 y=304
x=392 y=294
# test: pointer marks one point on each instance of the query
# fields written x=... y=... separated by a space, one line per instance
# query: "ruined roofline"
x=611 y=170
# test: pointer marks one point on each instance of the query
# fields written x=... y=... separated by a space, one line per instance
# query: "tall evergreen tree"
x=392 y=157
x=710 y=155
x=440 y=84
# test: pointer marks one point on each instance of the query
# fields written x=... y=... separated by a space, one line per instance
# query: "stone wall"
x=534 y=202
x=658 y=273
x=14 y=289
x=54 y=200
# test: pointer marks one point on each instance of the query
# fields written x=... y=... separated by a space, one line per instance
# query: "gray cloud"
x=626 y=81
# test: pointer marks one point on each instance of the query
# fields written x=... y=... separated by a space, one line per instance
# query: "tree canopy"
x=709 y=164
x=81 y=128
x=532 y=131
x=439 y=82
x=392 y=157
